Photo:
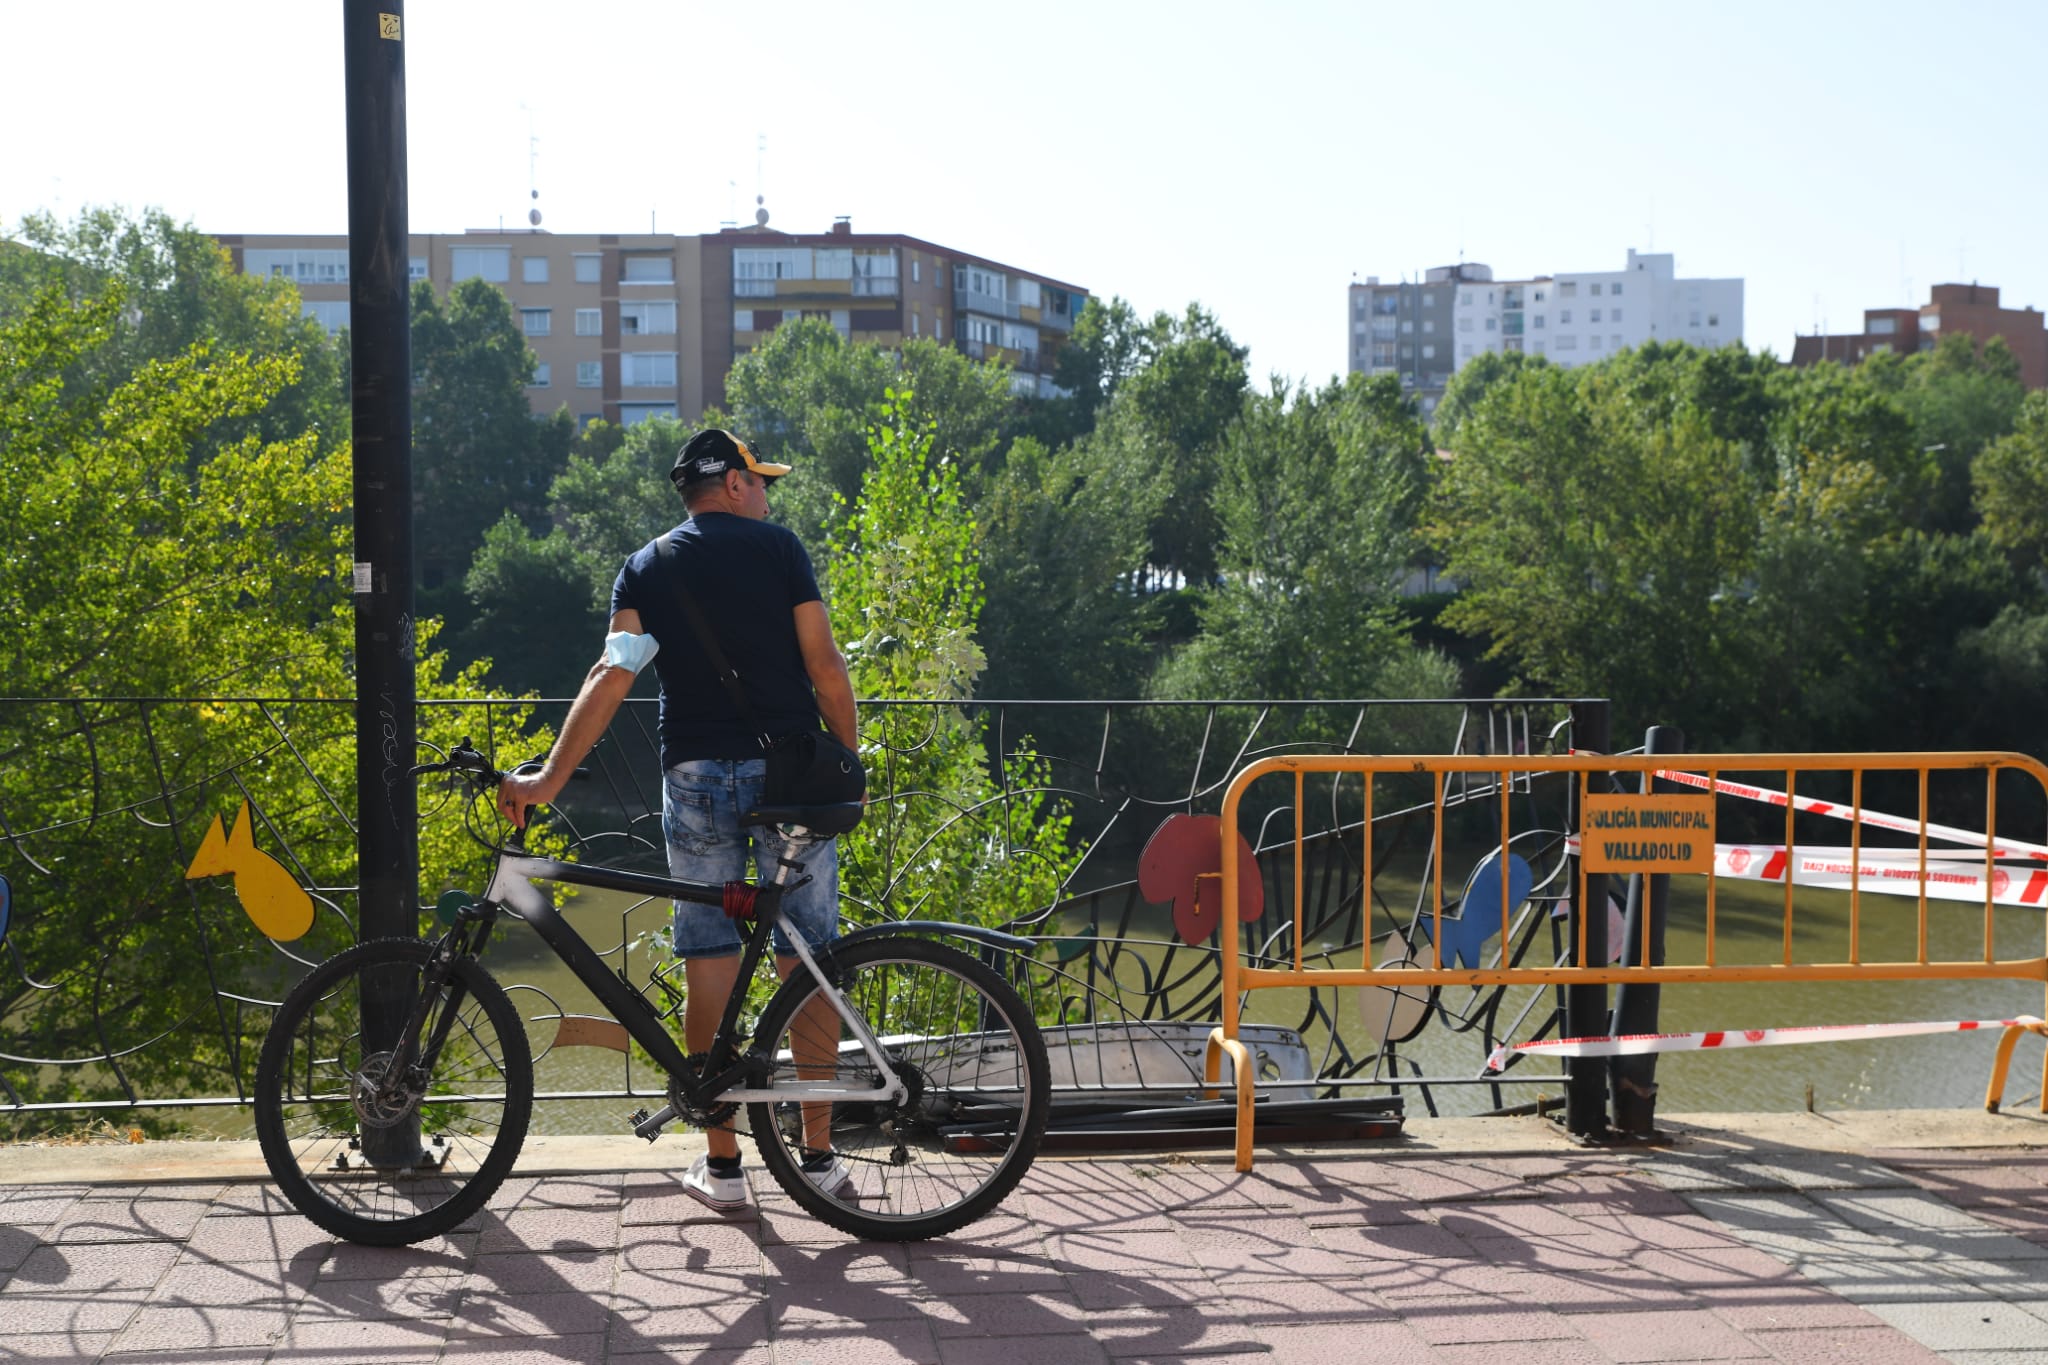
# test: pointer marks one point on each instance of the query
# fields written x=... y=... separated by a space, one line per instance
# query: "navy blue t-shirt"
x=747 y=578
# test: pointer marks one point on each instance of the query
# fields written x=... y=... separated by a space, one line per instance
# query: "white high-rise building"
x=1575 y=318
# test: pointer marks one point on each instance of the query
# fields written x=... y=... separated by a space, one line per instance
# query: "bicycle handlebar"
x=464 y=758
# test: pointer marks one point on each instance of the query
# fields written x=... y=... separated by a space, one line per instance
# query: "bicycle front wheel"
x=395 y=1124
x=973 y=1062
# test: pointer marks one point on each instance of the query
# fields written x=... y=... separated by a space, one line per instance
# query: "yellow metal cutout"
x=266 y=888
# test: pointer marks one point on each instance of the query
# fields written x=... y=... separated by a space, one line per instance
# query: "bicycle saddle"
x=823 y=821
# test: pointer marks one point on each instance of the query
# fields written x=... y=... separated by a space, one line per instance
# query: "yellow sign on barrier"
x=1668 y=833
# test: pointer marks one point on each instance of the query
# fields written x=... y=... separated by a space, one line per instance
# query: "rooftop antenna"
x=760 y=196
x=532 y=169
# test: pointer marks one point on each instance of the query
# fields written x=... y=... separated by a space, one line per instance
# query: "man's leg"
x=814 y=1042
x=709 y=982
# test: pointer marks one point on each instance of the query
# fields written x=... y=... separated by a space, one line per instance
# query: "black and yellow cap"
x=711 y=452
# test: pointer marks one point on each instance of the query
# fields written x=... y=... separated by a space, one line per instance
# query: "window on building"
x=1465 y=298
x=1564 y=317
x=1429 y=324
x=1693 y=318
x=633 y=414
x=1713 y=319
x=648 y=369
x=536 y=322
x=1429 y=353
x=1536 y=321
x=1614 y=343
x=300 y=267
x=1466 y=349
x=589 y=374
x=1407 y=326
x=916 y=322
x=1464 y=324
x=1567 y=343
x=331 y=315
x=1883 y=327
x=1596 y=315
x=1383 y=354
x=589 y=266
x=533 y=269
x=1614 y=315
x=589 y=322
x=651 y=317
x=916 y=270
x=541 y=375
x=1428 y=300
x=1596 y=289
x=1593 y=343
x=1615 y=288
x=1539 y=296
x=743 y=319
x=874 y=273
x=493 y=263
x=1538 y=346
x=650 y=268
x=416 y=268
x=1493 y=324
x=1567 y=289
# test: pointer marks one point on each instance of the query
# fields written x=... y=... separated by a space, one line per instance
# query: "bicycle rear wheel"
x=387 y=1164
x=979 y=1090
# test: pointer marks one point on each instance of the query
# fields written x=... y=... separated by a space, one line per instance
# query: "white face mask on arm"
x=623 y=649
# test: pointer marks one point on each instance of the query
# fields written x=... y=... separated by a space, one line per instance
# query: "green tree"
x=477 y=451
x=1602 y=543
x=1317 y=496
x=1958 y=398
x=143 y=562
x=181 y=289
x=2011 y=486
x=612 y=498
x=1062 y=541
x=950 y=837
x=809 y=397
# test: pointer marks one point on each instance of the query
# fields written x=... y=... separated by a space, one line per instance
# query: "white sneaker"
x=834 y=1182
x=724 y=1193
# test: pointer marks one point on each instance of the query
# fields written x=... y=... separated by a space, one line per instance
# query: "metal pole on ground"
x=1585 y=1008
x=380 y=406
x=1634 y=1079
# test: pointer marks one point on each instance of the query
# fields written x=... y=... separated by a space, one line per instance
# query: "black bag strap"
x=665 y=550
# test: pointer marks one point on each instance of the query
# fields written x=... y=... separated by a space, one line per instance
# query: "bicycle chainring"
x=718 y=1115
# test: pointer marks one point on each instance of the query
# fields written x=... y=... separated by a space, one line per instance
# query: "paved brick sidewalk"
x=1581 y=1257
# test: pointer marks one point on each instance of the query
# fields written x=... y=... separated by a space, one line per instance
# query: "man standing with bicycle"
x=752 y=584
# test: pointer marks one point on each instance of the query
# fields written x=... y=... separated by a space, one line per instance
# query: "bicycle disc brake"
x=376 y=1106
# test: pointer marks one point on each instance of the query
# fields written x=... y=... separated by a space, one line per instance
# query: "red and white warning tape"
x=2007 y=848
x=1634 y=1044
x=1887 y=871
x=1891 y=871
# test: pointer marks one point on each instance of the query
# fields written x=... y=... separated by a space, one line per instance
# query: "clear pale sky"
x=1253 y=157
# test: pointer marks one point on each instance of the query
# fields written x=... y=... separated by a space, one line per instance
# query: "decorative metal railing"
x=126 y=984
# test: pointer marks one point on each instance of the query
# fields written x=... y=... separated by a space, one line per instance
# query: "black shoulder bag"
x=805 y=767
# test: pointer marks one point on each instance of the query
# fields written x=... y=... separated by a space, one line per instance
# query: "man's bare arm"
x=827 y=669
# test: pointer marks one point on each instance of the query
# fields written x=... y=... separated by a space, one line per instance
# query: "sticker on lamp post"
x=1661 y=833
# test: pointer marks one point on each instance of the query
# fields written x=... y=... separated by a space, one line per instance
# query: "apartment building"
x=628 y=326
x=1970 y=309
x=1581 y=317
x=1405 y=329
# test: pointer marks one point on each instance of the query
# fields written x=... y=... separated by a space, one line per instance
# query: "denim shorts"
x=701 y=801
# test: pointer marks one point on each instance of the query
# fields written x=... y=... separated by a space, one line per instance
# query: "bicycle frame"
x=728 y=1066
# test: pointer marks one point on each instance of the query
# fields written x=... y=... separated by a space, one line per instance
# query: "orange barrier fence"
x=1651 y=832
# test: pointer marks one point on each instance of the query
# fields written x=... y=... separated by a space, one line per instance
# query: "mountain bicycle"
x=395 y=1083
